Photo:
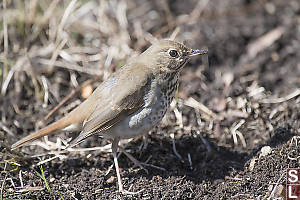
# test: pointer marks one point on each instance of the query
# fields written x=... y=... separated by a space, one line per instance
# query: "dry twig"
x=73 y=92
x=282 y=99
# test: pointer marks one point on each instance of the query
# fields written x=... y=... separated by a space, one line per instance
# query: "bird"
x=130 y=102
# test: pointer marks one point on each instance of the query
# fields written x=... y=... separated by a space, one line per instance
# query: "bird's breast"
x=156 y=102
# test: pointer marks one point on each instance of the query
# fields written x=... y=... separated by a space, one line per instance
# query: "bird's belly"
x=140 y=122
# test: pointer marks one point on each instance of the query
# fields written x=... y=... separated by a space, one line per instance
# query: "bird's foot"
x=135 y=161
x=144 y=144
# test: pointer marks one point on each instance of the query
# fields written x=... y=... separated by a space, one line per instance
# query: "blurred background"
x=243 y=96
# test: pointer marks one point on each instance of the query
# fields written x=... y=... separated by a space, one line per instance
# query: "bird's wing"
x=117 y=99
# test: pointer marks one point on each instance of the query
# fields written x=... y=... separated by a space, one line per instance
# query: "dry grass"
x=86 y=40
x=83 y=37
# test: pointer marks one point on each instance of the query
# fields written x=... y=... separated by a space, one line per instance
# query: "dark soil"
x=235 y=86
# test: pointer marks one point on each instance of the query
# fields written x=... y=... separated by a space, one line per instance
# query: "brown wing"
x=122 y=95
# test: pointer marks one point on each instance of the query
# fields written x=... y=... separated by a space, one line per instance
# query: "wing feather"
x=117 y=99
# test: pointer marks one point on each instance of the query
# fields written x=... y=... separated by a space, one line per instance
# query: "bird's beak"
x=195 y=52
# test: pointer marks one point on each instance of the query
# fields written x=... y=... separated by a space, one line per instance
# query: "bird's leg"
x=114 y=148
x=135 y=161
x=144 y=145
x=139 y=163
x=146 y=142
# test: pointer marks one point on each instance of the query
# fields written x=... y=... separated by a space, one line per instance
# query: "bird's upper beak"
x=195 y=52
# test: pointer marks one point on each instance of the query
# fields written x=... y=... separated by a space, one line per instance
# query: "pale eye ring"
x=173 y=53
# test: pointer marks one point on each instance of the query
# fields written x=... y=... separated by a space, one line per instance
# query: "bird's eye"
x=173 y=53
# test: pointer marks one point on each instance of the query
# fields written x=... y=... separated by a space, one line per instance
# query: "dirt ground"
x=235 y=124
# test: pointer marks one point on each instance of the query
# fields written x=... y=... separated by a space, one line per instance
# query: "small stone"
x=111 y=180
x=228 y=78
x=86 y=91
x=252 y=163
x=265 y=151
x=10 y=190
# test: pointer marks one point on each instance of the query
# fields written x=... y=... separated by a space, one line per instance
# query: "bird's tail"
x=78 y=115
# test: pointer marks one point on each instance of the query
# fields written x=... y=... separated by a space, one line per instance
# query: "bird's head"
x=169 y=55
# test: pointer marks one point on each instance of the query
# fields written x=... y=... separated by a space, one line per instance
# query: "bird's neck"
x=170 y=77
x=168 y=84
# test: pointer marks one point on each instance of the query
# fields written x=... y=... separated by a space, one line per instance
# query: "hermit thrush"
x=131 y=101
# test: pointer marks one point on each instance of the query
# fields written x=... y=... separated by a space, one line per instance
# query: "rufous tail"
x=78 y=115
